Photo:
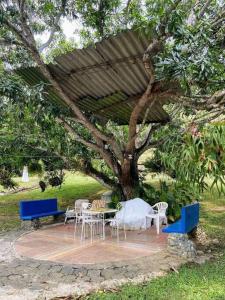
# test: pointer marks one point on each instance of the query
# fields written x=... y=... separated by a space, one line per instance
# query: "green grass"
x=76 y=186
x=193 y=282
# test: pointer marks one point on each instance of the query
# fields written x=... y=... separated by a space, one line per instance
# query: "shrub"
x=176 y=195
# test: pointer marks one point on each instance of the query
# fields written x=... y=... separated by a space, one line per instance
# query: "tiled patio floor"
x=57 y=244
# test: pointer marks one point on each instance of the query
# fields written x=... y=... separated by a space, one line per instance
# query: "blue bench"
x=188 y=221
x=35 y=209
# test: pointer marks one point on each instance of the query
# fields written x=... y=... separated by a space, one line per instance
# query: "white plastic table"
x=103 y=212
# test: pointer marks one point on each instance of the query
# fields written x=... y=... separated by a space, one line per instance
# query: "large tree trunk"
x=128 y=178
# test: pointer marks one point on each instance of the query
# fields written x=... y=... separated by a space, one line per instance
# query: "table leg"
x=103 y=226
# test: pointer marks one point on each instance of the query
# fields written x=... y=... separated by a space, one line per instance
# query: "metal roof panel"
x=103 y=75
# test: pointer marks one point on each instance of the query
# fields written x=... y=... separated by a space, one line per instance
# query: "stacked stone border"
x=181 y=245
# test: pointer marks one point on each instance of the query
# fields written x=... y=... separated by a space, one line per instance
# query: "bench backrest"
x=31 y=207
x=189 y=217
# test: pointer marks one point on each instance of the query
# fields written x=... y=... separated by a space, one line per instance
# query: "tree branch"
x=54 y=28
x=219 y=19
x=21 y=4
x=9 y=43
x=154 y=47
x=146 y=143
x=126 y=9
x=204 y=8
x=89 y=170
x=78 y=138
x=217 y=97
x=208 y=117
x=204 y=102
x=157 y=96
x=106 y=154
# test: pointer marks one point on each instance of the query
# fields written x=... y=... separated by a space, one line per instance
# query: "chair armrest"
x=70 y=208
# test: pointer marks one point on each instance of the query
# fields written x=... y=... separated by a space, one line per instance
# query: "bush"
x=176 y=195
x=115 y=199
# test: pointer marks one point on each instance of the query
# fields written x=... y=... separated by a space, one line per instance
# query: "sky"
x=70 y=29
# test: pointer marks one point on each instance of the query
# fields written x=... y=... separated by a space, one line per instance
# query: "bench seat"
x=42 y=215
x=175 y=227
x=35 y=209
x=188 y=221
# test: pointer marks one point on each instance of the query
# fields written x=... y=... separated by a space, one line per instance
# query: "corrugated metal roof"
x=104 y=79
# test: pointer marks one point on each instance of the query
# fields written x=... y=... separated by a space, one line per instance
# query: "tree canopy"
x=186 y=49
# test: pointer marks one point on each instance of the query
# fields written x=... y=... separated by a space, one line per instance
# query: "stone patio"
x=50 y=263
x=58 y=244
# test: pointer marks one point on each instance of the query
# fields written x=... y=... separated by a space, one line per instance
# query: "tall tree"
x=186 y=46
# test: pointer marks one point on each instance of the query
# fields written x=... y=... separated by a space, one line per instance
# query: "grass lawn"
x=76 y=186
x=194 y=282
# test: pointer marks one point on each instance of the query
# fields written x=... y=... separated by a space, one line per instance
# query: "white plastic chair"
x=115 y=223
x=75 y=212
x=158 y=215
x=94 y=221
x=69 y=214
x=78 y=211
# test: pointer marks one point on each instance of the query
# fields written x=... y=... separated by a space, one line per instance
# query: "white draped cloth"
x=132 y=214
x=25 y=176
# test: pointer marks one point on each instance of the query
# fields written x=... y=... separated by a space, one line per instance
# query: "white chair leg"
x=166 y=221
x=124 y=230
x=82 y=230
x=157 y=224
x=65 y=220
x=103 y=229
x=85 y=230
x=75 y=225
x=111 y=230
x=97 y=228
x=117 y=232
x=150 y=222
x=75 y=228
x=91 y=232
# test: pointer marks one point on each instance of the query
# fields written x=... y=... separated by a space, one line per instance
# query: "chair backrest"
x=99 y=204
x=78 y=204
x=85 y=205
x=189 y=217
x=161 y=207
x=32 y=207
